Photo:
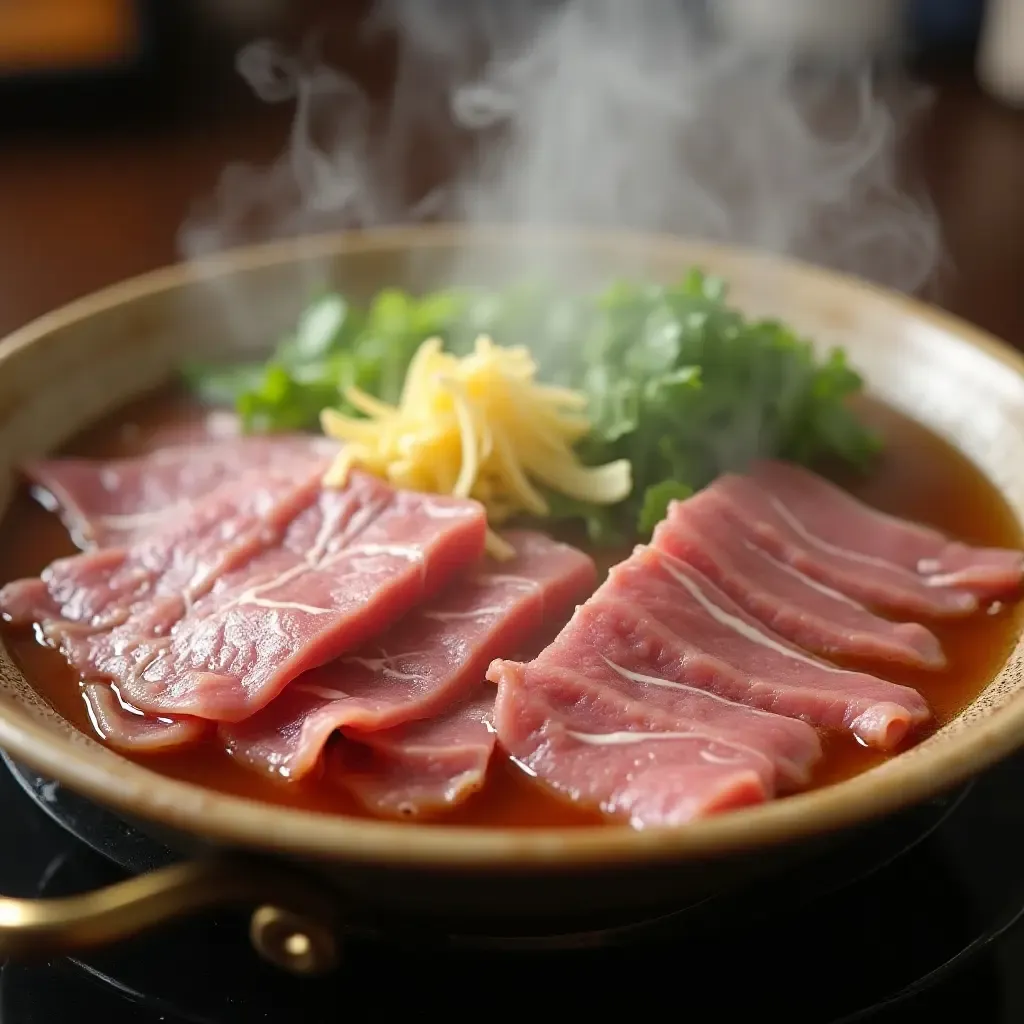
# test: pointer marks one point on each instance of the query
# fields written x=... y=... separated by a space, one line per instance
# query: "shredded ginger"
x=476 y=427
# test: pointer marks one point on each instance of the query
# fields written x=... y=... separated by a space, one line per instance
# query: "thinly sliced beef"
x=160 y=576
x=622 y=714
x=786 y=600
x=25 y=602
x=695 y=626
x=598 y=747
x=110 y=503
x=834 y=520
x=684 y=634
x=214 y=616
x=423 y=768
x=126 y=728
x=322 y=590
x=426 y=662
x=765 y=521
x=603 y=649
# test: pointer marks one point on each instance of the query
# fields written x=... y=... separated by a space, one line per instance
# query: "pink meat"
x=772 y=526
x=212 y=616
x=696 y=627
x=422 y=665
x=160 y=575
x=605 y=649
x=598 y=747
x=114 y=502
x=320 y=592
x=835 y=519
x=422 y=768
x=792 y=604
x=688 y=635
x=611 y=717
x=127 y=729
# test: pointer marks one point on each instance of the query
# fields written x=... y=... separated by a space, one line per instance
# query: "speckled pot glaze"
x=70 y=367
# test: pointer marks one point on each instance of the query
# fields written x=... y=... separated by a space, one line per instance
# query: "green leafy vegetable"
x=603 y=525
x=657 y=499
x=678 y=381
x=687 y=388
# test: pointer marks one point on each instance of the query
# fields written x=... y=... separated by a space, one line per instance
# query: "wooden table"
x=77 y=213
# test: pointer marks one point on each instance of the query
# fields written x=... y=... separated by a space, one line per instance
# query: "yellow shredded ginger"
x=477 y=427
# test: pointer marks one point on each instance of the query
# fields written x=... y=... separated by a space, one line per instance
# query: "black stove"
x=916 y=920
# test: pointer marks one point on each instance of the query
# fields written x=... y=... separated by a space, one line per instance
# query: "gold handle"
x=293 y=925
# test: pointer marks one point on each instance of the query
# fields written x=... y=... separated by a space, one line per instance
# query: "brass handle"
x=293 y=926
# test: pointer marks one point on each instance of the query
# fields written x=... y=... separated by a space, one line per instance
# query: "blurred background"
x=118 y=115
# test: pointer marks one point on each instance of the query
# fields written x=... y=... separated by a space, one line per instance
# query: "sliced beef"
x=696 y=631
x=836 y=523
x=662 y=700
x=764 y=520
x=794 y=605
x=213 y=616
x=598 y=747
x=323 y=590
x=114 y=502
x=420 y=769
x=127 y=729
x=606 y=648
x=163 y=573
x=429 y=660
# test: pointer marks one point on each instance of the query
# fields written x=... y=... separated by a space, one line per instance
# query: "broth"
x=919 y=477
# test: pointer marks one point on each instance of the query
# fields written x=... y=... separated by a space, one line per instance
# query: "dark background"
x=98 y=169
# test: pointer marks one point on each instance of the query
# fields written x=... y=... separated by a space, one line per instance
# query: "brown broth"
x=919 y=476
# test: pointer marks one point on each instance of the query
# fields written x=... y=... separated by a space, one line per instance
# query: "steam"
x=321 y=178
x=587 y=112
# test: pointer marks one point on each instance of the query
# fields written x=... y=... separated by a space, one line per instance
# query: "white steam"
x=587 y=112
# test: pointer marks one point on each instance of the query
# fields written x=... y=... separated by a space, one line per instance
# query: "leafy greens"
x=678 y=382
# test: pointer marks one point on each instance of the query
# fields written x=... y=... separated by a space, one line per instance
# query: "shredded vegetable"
x=481 y=427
